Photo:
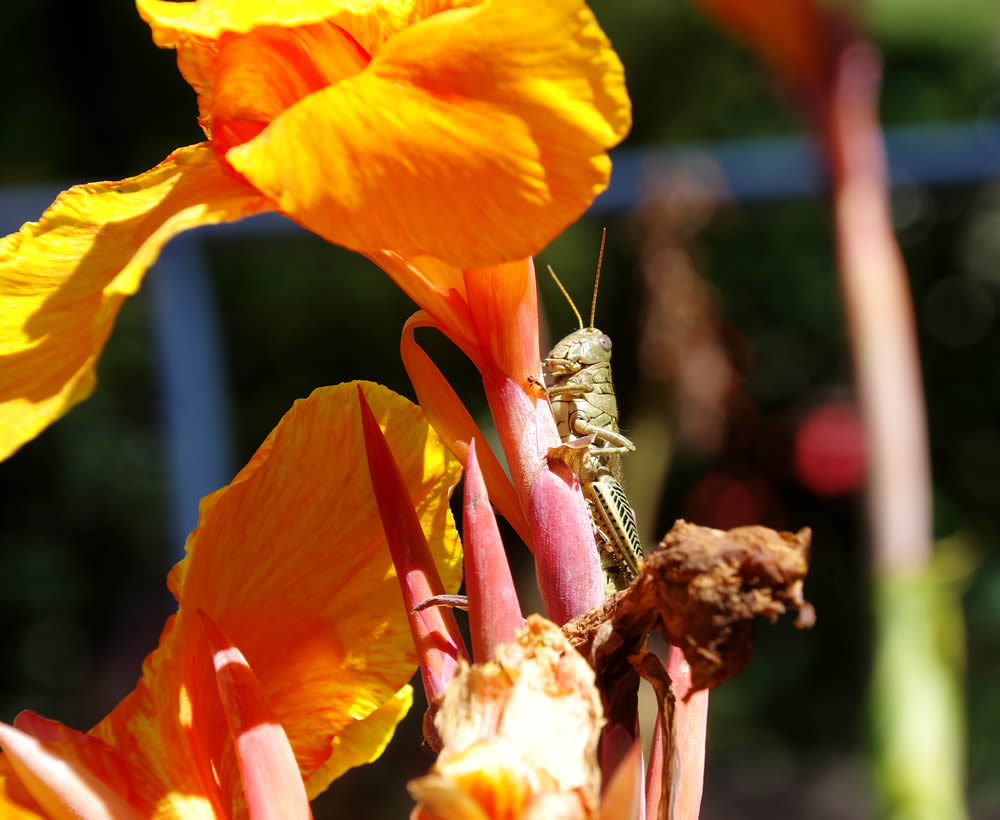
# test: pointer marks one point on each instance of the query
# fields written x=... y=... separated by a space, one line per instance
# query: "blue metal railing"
x=190 y=366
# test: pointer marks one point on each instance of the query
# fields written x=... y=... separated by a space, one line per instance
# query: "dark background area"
x=85 y=535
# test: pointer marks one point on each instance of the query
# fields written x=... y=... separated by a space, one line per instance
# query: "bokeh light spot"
x=830 y=451
x=726 y=501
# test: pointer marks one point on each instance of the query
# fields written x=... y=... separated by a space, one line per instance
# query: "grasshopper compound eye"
x=605 y=341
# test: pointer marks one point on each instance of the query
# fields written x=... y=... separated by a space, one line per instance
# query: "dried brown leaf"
x=702 y=589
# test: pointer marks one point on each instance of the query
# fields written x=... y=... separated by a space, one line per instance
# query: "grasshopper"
x=578 y=382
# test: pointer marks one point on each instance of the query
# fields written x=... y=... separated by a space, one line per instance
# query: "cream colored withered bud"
x=519 y=735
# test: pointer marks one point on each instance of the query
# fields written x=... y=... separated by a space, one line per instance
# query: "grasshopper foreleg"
x=619 y=443
x=573 y=390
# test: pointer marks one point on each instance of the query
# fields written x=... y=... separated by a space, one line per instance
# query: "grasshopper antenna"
x=568 y=299
x=597 y=279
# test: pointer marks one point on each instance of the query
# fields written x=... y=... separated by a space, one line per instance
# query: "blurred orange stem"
x=879 y=317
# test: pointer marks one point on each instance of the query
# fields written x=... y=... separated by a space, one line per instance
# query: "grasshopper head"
x=585 y=346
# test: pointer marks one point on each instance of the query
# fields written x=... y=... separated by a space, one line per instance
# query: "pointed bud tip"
x=436 y=636
x=271 y=778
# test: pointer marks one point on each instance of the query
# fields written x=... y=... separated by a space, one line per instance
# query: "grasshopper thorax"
x=585 y=346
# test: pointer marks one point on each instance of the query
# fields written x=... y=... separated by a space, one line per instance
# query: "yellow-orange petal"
x=361 y=741
x=63 y=278
x=474 y=136
x=178 y=25
x=259 y=74
x=198 y=30
x=290 y=560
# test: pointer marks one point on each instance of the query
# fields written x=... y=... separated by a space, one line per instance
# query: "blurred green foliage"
x=84 y=541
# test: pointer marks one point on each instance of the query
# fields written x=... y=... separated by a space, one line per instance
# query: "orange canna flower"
x=289 y=586
x=488 y=771
x=469 y=132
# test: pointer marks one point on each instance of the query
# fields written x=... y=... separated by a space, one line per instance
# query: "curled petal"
x=63 y=278
x=260 y=74
x=65 y=789
x=455 y=425
x=439 y=288
x=476 y=135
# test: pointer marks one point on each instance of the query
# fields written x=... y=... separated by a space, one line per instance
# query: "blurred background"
x=731 y=367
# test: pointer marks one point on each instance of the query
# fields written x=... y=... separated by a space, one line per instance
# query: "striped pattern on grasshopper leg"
x=614 y=524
